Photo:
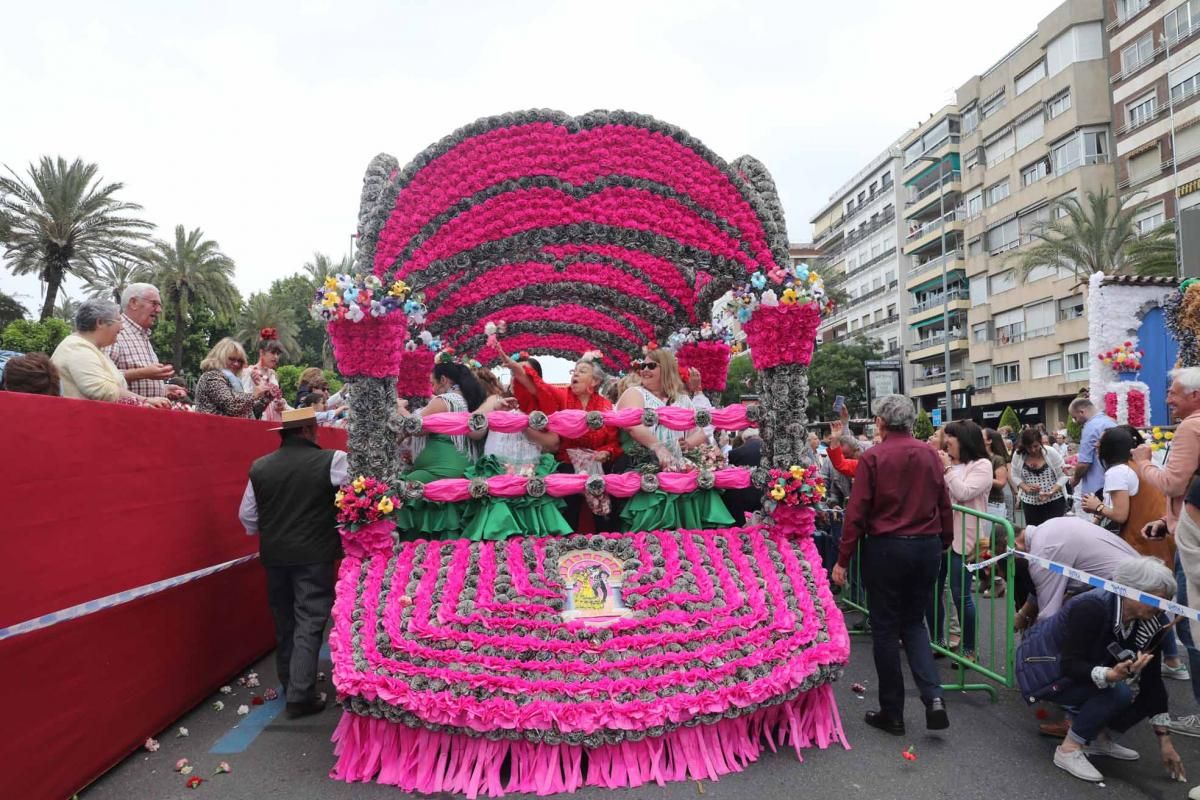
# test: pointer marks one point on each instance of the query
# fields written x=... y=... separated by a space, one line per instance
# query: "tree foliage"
x=111 y=276
x=289 y=380
x=63 y=220
x=923 y=427
x=11 y=310
x=268 y=311
x=1099 y=234
x=1010 y=418
x=838 y=368
x=296 y=293
x=27 y=336
x=204 y=329
x=322 y=267
x=740 y=379
x=188 y=270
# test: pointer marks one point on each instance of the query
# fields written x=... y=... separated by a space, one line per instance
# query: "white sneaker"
x=1186 y=726
x=1076 y=763
x=1179 y=672
x=1109 y=749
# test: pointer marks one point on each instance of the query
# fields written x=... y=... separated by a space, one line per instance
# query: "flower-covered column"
x=784 y=398
x=373 y=427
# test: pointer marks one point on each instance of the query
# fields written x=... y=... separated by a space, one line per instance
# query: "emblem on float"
x=593 y=580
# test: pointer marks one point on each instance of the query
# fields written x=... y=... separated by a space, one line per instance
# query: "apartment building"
x=1035 y=128
x=934 y=281
x=1154 y=60
x=858 y=235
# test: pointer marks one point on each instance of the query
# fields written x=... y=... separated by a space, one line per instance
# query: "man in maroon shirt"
x=900 y=510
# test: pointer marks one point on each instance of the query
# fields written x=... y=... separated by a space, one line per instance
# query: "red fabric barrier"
x=101 y=498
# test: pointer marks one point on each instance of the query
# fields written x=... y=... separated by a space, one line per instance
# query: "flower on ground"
x=858 y=688
x=180 y=764
x=186 y=769
x=181 y=733
x=217 y=706
x=226 y=690
x=270 y=694
x=194 y=782
x=910 y=754
x=256 y=701
x=222 y=767
x=243 y=710
x=151 y=745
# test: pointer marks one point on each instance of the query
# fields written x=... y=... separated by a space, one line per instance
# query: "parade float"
x=544 y=665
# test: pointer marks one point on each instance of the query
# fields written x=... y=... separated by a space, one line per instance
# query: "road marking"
x=242 y=736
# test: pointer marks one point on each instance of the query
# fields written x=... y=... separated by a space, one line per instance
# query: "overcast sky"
x=255 y=120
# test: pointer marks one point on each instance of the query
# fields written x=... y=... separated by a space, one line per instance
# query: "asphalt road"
x=991 y=751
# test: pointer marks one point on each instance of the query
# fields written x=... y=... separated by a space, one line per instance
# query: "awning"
x=924 y=322
x=954 y=165
x=935 y=282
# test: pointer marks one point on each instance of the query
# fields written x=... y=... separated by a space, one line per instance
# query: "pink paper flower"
x=151 y=745
x=223 y=767
x=180 y=764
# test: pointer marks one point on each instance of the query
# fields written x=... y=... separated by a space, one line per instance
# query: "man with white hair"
x=132 y=352
x=1173 y=479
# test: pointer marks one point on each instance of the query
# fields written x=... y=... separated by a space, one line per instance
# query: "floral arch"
x=605 y=231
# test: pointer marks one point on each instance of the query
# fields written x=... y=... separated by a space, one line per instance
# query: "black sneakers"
x=935 y=716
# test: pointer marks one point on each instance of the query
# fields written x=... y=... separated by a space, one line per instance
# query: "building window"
x=1009 y=326
x=885 y=181
x=1081 y=148
x=1030 y=77
x=891 y=311
x=1030 y=130
x=1070 y=308
x=1149 y=218
x=991 y=105
x=971 y=158
x=1006 y=373
x=999 y=149
x=1082 y=42
x=1142 y=110
x=983 y=375
x=979 y=332
x=1058 y=105
x=1004 y=236
x=1139 y=53
x=974 y=204
x=889 y=277
x=876 y=283
x=1127 y=8
x=975 y=247
x=1039 y=319
x=979 y=290
x=1185 y=81
x=1045 y=366
x=1077 y=362
x=1182 y=21
x=1032 y=221
x=893 y=344
x=970 y=118
x=1144 y=165
x=996 y=192
x=1186 y=143
x=1002 y=281
x=1035 y=171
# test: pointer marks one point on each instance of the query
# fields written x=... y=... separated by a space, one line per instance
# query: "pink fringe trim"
x=420 y=760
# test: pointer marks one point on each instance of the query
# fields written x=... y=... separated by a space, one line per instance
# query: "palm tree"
x=63 y=220
x=66 y=308
x=322 y=266
x=1099 y=235
x=11 y=310
x=192 y=268
x=267 y=311
x=111 y=276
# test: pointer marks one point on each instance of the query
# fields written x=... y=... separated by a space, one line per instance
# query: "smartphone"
x=1120 y=655
x=1159 y=532
x=839 y=403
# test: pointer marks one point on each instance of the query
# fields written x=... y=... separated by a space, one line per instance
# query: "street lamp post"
x=945 y=285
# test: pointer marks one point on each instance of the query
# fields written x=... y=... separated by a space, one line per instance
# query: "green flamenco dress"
x=497 y=518
x=427 y=519
x=702 y=509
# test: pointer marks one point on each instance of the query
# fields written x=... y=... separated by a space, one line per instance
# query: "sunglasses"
x=640 y=365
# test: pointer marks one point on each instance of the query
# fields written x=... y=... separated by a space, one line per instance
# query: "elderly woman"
x=33 y=373
x=1094 y=629
x=659 y=447
x=84 y=371
x=219 y=390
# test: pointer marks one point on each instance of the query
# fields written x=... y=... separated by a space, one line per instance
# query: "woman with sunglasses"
x=219 y=390
x=659 y=448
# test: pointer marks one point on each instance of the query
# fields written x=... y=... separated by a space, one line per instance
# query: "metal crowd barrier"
x=995 y=654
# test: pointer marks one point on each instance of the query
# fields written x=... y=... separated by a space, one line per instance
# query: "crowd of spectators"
x=109 y=357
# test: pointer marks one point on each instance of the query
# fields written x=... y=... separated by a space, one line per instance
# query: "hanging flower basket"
x=372 y=347
x=782 y=334
x=711 y=358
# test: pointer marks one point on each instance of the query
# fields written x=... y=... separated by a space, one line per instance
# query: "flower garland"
x=466 y=642
x=355 y=298
x=797 y=486
x=366 y=508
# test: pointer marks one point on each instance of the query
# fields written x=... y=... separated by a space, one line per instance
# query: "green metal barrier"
x=995 y=655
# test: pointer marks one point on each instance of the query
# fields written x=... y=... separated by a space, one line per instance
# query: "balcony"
x=936 y=377
x=936 y=302
x=923 y=272
x=861 y=233
x=1138 y=67
x=934 y=344
x=936 y=224
x=948 y=144
x=935 y=383
x=858 y=208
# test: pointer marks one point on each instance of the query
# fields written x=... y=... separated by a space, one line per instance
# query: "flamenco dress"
x=435 y=456
x=658 y=510
x=497 y=518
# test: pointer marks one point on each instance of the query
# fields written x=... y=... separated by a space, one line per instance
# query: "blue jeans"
x=1098 y=709
x=960 y=590
x=1184 y=632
